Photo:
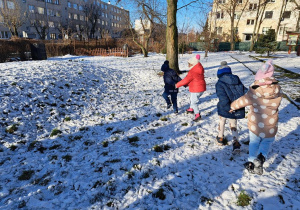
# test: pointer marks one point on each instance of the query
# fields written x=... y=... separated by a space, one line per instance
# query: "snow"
x=100 y=104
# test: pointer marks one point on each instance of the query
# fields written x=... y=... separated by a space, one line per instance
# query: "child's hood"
x=229 y=79
x=165 y=67
x=262 y=89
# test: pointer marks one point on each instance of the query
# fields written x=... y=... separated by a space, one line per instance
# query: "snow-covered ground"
x=116 y=146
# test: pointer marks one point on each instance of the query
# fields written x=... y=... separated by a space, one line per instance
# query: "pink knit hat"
x=194 y=60
x=266 y=70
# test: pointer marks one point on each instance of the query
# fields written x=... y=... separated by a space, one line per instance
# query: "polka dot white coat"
x=264 y=101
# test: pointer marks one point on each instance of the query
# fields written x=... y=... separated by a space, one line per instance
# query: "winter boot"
x=175 y=111
x=220 y=141
x=169 y=106
x=197 y=118
x=250 y=167
x=190 y=111
x=258 y=164
x=236 y=147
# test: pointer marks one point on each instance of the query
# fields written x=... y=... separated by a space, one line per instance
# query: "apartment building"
x=277 y=12
x=56 y=19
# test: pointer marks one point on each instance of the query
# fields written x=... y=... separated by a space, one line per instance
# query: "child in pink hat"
x=263 y=98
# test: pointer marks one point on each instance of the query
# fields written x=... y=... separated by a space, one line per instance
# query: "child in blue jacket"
x=170 y=79
x=229 y=88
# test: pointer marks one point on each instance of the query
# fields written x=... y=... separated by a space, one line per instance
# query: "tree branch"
x=187 y=4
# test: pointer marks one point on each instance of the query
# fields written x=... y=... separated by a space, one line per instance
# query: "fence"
x=103 y=52
x=225 y=46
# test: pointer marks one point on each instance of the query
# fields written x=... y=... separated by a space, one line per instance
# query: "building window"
x=218 y=30
x=56 y=2
x=220 y=15
x=41 y=10
x=286 y=14
x=81 y=17
x=51 y=24
x=270 y=1
x=31 y=8
x=58 y=14
x=265 y=30
x=269 y=14
x=70 y=16
x=237 y=15
x=50 y=12
x=250 y=22
x=222 y=1
x=69 y=5
x=75 y=17
x=75 y=6
x=80 y=8
x=4 y=35
x=239 y=1
x=53 y=36
x=10 y=5
x=248 y=37
x=252 y=6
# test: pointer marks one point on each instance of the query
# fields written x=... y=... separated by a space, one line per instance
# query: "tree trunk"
x=232 y=33
x=298 y=22
x=172 y=35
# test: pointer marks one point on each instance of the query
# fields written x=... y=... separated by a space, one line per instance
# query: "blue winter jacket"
x=170 y=79
x=229 y=88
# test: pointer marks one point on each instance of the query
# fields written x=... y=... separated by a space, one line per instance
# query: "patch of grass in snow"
x=246 y=142
x=159 y=194
x=88 y=143
x=114 y=161
x=83 y=129
x=133 y=139
x=281 y=200
x=53 y=157
x=158 y=148
x=137 y=167
x=11 y=129
x=134 y=118
x=109 y=129
x=98 y=183
x=206 y=200
x=184 y=124
x=55 y=132
x=146 y=175
x=105 y=143
x=26 y=175
x=22 y=204
x=118 y=132
x=43 y=181
x=158 y=114
x=67 y=119
x=67 y=158
x=130 y=174
x=104 y=153
x=97 y=198
x=32 y=145
x=14 y=84
x=159 y=137
x=164 y=119
x=54 y=146
x=13 y=147
x=146 y=104
x=243 y=199
x=67 y=85
x=80 y=73
x=110 y=204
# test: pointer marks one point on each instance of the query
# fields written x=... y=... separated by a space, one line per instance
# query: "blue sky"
x=189 y=17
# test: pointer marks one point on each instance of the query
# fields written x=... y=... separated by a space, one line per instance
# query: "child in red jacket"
x=195 y=81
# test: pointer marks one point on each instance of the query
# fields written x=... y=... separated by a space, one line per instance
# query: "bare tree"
x=149 y=19
x=92 y=16
x=13 y=17
x=297 y=4
x=261 y=7
x=40 y=24
x=282 y=10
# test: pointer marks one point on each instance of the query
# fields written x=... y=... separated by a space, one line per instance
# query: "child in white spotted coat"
x=264 y=97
